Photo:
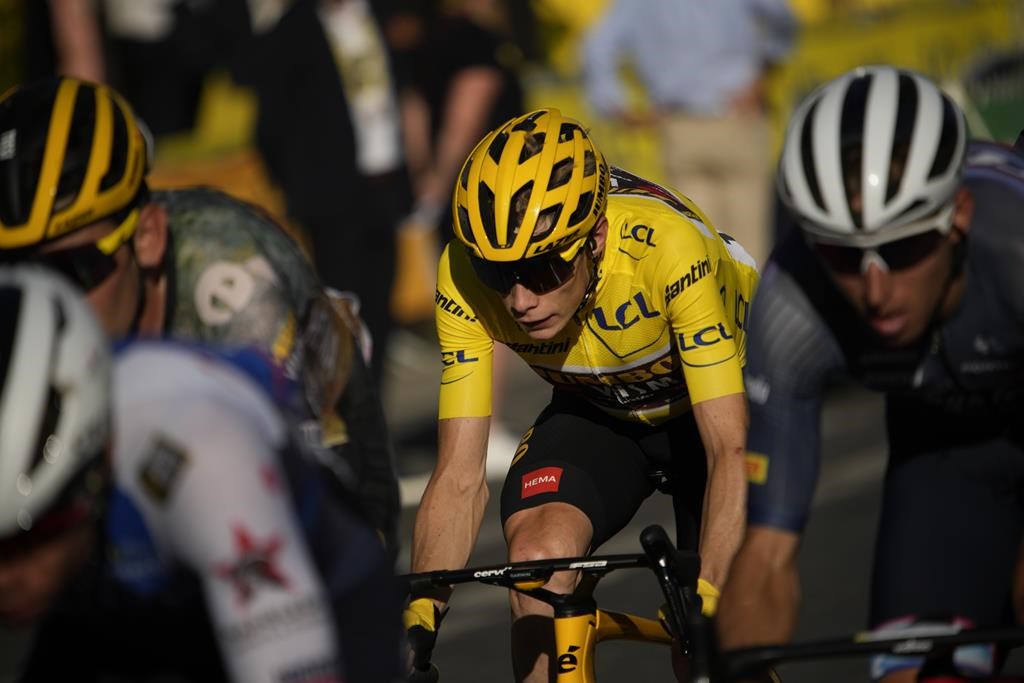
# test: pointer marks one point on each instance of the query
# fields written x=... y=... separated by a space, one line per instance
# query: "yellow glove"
x=420 y=612
x=422 y=619
x=709 y=597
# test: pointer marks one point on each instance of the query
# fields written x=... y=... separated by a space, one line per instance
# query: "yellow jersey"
x=663 y=330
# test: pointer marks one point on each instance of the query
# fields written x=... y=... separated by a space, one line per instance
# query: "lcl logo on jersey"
x=644 y=234
x=708 y=336
x=453 y=357
x=625 y=316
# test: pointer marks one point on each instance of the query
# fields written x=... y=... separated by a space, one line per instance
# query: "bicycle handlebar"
x=677 y=573
x=735 y=665
x=512 y=573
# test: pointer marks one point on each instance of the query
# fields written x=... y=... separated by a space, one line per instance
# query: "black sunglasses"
x=540 y=274
x=90 y=264
x=897 y=255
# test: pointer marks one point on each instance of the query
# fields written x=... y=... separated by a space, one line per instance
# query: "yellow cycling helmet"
x=71 y=153
x=533 y=186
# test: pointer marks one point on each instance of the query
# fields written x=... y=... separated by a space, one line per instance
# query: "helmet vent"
x=118 y=151
x=546 y=222
x=903 y=133
x=567 y=132
x=530 y=122
x=497 y=147
x=948 y=143
x=807 y=156
x=851 y=127
x=467 y=233
x=53 y=399
x=464 y=180
x=486 y=199
x=10 y=306
x=589 y=164
x=582 y=209
x=531 y=147
x=560 y=173
x=517 y=209
x=78 y=149
x=47 y=429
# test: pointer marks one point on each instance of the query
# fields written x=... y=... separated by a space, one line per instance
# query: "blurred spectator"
x=703 y=65
x=329 y=126
x=461 y=81
x=45 y=37
x=161 y=52
x=330 y=131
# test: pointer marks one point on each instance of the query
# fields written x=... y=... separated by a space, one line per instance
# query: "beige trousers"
x=722 y=164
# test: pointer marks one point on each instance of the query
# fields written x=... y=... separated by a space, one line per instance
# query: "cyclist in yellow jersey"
x=622 y=295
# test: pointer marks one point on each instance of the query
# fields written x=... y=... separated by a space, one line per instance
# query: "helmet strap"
x=956 y=268
x=593 y=276
x=140 y=300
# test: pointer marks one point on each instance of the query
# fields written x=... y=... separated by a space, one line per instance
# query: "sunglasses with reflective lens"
x=896 y=255
x=540 y=274
x=90 y=264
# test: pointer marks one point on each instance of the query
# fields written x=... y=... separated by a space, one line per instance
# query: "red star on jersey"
x=255 y=566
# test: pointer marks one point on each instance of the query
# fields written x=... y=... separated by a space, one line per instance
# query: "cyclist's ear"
x=964 y=211
x=599 y=234
x=150 y=238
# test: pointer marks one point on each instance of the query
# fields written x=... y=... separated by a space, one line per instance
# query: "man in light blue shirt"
x=703 y=64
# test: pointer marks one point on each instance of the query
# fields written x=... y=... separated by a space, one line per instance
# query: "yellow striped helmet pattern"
x=71 y=154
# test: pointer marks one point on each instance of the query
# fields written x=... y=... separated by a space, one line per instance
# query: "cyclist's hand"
x=708 y=597
x=422 y=619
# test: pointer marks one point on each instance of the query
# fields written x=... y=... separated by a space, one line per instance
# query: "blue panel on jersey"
x=134 y=561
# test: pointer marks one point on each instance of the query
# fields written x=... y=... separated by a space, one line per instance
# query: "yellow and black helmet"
x=71 y=153
x=533 y=186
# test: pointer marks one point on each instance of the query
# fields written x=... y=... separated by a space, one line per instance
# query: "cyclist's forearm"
x=453 y=504
x=723 y=428
x=724 y=514
x=447 y=524
x=760 y=600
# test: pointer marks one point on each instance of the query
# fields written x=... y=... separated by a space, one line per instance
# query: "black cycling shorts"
x=952 y=519
x=579 y=455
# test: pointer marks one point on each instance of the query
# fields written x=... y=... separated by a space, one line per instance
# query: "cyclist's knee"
x=772 y=546
x=548 y=531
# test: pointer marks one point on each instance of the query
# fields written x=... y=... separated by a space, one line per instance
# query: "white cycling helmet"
x=54 y=398
x=872 y=156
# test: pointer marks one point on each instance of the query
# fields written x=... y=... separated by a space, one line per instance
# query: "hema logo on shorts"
x=544 y=480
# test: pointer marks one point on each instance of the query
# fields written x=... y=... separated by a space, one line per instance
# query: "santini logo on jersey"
x=542 y=349
x=697 y=271
x=451 y=306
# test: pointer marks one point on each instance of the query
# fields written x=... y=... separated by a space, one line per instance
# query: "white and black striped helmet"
x=870 y=154
x=54 y=398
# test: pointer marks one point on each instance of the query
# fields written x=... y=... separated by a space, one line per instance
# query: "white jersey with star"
x=196 y=443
